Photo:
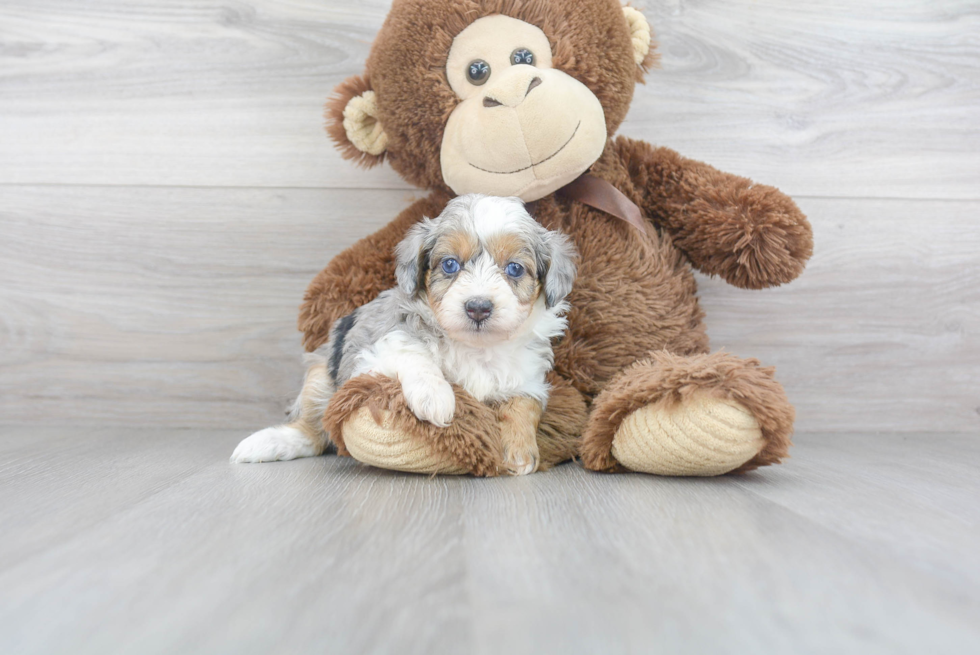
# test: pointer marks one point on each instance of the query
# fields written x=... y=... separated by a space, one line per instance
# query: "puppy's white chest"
x=499 y=372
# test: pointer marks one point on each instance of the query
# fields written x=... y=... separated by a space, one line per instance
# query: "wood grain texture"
x=827 y=98
x=881 y=330
x=912 y=498
x=176 y=307
x=163 y=306
x=159 y=545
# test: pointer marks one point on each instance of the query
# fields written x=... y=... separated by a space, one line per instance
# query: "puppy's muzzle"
x=478 y=309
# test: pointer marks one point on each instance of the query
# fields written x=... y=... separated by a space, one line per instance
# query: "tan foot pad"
x=703 y=436
x=387 y=448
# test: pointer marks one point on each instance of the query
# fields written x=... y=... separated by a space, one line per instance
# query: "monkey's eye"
x=514 y=270
x=522 y=56
x=450 y=266
x=478 y=72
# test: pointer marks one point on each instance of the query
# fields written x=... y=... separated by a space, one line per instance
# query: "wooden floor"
x=116 y=542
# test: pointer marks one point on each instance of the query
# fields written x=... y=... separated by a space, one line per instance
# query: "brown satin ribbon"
x=596 y=192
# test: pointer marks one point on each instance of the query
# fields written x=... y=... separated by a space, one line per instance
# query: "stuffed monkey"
x=521 y=98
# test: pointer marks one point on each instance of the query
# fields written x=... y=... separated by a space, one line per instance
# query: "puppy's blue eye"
x=514 y=269
x=450 y=266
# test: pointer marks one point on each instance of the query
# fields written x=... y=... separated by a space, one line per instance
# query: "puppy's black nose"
x=478 y=308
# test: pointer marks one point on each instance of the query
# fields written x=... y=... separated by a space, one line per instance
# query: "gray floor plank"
x=324 y=554
x=214 y=565
x=640 y=564
x=63 y=481
x=914 y=497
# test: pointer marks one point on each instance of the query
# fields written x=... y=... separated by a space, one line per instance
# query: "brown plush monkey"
x=523 y=98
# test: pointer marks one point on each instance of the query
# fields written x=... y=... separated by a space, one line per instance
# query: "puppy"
x=481 y=294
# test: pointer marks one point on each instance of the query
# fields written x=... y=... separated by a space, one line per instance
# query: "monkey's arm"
x=753 y=236
x=357 y=275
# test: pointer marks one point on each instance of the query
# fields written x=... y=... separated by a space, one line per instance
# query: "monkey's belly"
x=633 y=296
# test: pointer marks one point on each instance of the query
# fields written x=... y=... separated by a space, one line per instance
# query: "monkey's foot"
x=369 y=419
x=386 y=445
x=698 y=415
x=702 y=436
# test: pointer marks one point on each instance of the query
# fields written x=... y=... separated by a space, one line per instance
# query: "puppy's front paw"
x=431 y=399
x=521 y=461
x=277 y=443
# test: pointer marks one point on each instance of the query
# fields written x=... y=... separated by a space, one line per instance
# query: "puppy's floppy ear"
x=412 y=258
x=556 y=267
x=353 y=124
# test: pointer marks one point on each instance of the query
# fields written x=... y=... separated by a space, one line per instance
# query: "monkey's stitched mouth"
x=521 y=170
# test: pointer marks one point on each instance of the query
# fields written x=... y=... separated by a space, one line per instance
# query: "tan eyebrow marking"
x=508 y=247
x=459 y=245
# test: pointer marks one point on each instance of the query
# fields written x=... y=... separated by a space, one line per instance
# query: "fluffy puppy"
x=481 y=294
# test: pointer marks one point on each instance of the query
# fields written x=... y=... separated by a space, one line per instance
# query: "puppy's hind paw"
x=276 y=443
x=520 y=461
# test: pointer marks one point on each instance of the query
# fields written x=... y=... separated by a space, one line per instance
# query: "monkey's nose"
x=478 y=309
x=510 y=96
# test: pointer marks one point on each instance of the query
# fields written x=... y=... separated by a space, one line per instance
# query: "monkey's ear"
x=644 y=50
x=353 y=125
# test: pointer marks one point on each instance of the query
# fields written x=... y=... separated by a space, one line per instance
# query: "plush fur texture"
x=590 y=41
x=343 y=94
x=561 y=425
x=751 y=235
x=636 y=334
x=667 y=379
x=472 y=440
